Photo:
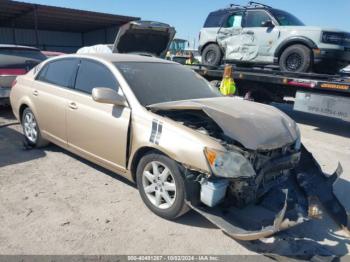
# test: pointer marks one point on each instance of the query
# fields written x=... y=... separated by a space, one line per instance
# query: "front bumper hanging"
x=261 y=220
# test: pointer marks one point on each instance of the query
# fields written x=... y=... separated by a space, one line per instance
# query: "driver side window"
x=256 y=18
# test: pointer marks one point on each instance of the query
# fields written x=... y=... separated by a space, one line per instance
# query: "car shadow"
x=321 y=123
x=54 y=148
x=13 y=150
x=313 y=238
x=6 y=116
x=192 y=218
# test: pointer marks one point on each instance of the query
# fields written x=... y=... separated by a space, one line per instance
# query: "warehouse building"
x=56 y=28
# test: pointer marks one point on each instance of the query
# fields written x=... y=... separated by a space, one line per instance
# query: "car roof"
x=120 y=58
x=18 y=47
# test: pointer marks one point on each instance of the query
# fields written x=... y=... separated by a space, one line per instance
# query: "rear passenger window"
x=93 y=74
x=215 y=19
x=256 y=18
x=60 y=72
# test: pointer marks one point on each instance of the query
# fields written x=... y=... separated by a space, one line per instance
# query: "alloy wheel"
x=30 y=127
x=159 y=185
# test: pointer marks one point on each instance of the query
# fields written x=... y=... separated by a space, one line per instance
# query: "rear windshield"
x=154 y=83
x=22 y=58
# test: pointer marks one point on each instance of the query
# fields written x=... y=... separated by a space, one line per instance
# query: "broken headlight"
x=228 y=164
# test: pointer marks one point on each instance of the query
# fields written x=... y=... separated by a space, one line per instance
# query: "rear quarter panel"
x=21 y=94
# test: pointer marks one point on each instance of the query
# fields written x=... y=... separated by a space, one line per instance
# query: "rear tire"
x=31 y=129
x=296 y=58
x=212 y=55
x=161 y=186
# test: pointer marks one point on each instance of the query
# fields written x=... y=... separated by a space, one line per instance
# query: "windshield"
x=154 y=83
x=286 y=19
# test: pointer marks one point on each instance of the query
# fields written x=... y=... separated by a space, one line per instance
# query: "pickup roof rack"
x=256 y=4
x=250 y=4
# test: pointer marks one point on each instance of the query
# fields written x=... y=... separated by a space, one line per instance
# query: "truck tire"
x=212 y=55
x=296 y=58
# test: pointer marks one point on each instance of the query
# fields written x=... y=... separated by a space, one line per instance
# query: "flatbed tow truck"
x=321 y=94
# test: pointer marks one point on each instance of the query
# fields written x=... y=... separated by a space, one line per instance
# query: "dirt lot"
x=52 y=202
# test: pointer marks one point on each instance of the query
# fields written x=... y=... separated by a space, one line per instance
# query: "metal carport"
x=56 y=28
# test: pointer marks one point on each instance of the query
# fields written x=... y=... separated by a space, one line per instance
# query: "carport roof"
x=24 y=15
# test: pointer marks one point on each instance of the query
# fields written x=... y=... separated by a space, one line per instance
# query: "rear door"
x=97 y=131
x=49 y=95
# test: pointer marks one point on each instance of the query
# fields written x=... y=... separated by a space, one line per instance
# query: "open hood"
x=144 y=37
x=255 y=126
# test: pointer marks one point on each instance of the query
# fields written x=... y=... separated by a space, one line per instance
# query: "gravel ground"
x=52 y=202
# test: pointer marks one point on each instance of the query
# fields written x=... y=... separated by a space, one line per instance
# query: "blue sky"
x=187 y=16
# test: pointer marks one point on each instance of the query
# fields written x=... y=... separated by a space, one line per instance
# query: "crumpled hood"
x=255 y=126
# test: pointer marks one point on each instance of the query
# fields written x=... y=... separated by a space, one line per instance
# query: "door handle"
x=73 y=106
x=250 y=32
x=35 y=93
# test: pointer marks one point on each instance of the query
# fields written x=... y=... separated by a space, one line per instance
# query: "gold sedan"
x=164 y=127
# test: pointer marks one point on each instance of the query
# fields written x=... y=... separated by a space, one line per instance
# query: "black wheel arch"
x=293 y=40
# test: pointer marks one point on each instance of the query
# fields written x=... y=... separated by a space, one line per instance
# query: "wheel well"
x=281 y=50
x=21 y=110
x=209 y=43
x=137 y=157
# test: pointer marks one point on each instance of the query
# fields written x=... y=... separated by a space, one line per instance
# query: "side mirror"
x=108 y=96
x=267 y=23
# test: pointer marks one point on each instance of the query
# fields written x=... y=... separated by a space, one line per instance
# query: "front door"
x=97 y=131
x=258 y=41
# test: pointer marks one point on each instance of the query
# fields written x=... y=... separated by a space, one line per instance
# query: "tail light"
x=12 y=71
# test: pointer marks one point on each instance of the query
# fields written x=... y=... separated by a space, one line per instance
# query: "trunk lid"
x=144 y=37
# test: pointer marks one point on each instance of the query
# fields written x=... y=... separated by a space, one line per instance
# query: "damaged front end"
x=254 y=192
x=284 y=193
x=260 y=199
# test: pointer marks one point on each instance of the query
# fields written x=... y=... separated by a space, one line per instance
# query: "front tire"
x=31 y=129
x=161 y=186
x=296 y=58
x=212 y=55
